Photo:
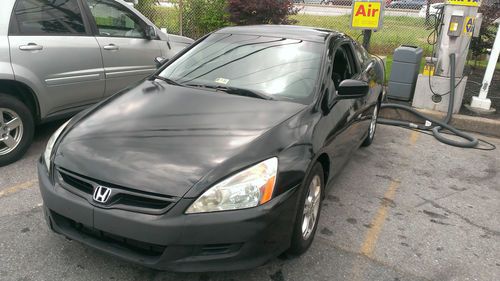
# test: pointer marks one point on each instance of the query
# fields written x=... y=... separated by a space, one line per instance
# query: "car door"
x=128 y=56
x=368 y=73
x=53 y=50
x=338 y=124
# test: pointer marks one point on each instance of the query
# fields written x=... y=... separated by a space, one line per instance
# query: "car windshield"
x=275 y=67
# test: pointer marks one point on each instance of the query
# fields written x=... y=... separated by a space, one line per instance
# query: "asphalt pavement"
x=406 y=208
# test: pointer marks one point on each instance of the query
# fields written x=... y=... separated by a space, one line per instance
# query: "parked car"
x=434 y=9
x=220 y=160
x=58 y=57
x=407 y=4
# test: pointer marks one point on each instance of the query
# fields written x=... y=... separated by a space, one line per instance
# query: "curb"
x=474 y=124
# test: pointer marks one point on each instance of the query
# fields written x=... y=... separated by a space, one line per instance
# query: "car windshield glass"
x=277 y=67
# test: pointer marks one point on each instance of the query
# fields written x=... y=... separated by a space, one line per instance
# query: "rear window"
x=40 y=17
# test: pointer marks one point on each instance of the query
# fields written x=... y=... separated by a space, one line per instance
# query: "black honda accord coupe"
x=218 y=161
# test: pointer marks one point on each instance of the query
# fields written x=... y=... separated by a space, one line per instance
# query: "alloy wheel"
x=11 y=130
x=311 y=207
x=373 y=123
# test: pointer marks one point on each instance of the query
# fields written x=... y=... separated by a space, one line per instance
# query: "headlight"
x=248 y=188
x=50 y=144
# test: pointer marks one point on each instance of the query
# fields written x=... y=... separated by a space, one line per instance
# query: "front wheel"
x=16 y=129
x=308 y=213
x=373 y=126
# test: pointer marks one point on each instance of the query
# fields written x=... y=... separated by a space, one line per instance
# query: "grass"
x=164 y=17
x=396 y=31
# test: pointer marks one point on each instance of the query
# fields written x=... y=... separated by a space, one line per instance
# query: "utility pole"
x=367 y=35
x=427 y=12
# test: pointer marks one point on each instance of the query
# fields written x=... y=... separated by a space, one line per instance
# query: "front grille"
x=77 y=183
x=135 y=246
x=141 y=202
x=121 y=197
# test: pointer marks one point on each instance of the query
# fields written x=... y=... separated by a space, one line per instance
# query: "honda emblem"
x=101 y=194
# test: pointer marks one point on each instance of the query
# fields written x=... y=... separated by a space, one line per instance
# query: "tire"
x=373 y=127
x=15 y=136
x=302 y=239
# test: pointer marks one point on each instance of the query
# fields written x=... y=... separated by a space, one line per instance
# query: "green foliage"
x=200 y=17
x=165 y=17
x=145 y=6
x=246 y=12
x=481 y=44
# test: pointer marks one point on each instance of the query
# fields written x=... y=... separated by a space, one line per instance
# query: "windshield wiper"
x=235 y=91
x=168 y=80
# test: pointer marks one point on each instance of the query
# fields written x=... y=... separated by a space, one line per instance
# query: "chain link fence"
x=405 y=21
x=409 y=22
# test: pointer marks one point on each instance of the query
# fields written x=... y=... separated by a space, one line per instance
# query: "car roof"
x=288 y=31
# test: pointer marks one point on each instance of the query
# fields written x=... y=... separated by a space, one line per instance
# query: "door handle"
x=31 y=47
x=110 y=47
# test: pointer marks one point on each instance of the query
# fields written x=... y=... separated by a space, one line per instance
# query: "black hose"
x=470 y=141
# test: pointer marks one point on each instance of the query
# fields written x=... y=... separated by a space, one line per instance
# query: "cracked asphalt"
x=406 y=208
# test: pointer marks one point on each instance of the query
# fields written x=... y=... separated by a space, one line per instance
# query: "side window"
x=343 y=67
x=48 y=17
x=114 y=20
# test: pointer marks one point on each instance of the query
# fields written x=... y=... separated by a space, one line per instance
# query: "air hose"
x=436 y=125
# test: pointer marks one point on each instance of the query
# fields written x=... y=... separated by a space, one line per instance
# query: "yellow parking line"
x=17 y=188
x=371 y=236
x=414 y=137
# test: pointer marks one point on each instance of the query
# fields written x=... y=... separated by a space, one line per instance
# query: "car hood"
x=162 y=138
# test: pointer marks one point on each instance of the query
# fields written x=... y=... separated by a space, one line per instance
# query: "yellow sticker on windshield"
x=222 y=80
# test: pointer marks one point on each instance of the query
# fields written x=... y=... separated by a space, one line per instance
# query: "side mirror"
x=150 y=32
x=159 y=61
x=352 y=89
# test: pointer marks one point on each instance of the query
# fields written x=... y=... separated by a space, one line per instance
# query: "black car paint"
x=179 y=141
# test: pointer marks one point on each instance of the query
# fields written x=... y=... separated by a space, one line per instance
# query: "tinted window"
x=278 y=67
x=38 y=17
x=343 y=67
x=114 y=20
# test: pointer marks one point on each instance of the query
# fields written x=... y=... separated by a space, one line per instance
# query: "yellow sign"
x=469 y=26
x=366 y=15
x=470 y=3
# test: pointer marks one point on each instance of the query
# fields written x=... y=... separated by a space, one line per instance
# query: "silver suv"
x=57 y=57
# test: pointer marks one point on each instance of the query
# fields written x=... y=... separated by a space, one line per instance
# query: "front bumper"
x=174 y=241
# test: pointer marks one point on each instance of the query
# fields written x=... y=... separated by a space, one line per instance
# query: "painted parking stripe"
x=414 y=135
x=18 y=187
x=377 y=223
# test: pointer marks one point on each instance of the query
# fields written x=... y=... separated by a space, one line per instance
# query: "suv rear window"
x=39 y=17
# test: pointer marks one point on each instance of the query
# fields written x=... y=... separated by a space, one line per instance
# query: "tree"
x=247 y=12
x=487 y=33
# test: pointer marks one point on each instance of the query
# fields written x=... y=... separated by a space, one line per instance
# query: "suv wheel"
x=16 y=129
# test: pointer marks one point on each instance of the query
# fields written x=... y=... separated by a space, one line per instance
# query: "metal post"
x=427 y=12
x=367 y=35
x=483 y=102
x=181 y=10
